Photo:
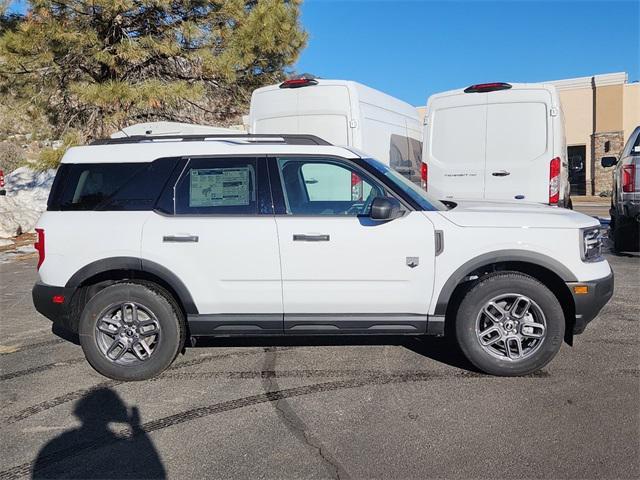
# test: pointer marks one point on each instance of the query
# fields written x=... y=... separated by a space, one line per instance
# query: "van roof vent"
x=487 y=87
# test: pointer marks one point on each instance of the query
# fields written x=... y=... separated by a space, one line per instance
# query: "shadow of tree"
x=93 y=450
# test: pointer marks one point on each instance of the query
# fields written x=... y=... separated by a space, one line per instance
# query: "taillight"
x=424 y=175
x=298 y=82
x=628 y=178
x=554 y=181
x=1 y=179
x=39 y=245
x=356 y=187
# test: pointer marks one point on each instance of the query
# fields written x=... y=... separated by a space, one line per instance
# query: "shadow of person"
x=93 y=450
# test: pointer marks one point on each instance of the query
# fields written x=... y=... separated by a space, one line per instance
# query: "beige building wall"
x=631 y=108
x=579 y=104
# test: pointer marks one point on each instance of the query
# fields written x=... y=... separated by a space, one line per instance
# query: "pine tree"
x=98 y=65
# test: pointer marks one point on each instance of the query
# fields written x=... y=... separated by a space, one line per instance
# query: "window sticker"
x=220 y=187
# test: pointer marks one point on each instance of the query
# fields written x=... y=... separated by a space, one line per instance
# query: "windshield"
x=417 y=194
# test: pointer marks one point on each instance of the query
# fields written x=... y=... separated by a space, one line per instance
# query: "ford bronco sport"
x=149 y=241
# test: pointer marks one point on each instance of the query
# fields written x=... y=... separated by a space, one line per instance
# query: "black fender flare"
x=136 y=264
x=533 y=258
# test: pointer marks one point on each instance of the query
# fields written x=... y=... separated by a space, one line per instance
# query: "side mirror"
x=385 y=208
x=607 y=162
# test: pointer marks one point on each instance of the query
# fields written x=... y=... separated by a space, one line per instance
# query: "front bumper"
x=58 y=313
x=588 y=305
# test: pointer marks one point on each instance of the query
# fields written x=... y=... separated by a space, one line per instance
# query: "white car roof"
x=148 y=151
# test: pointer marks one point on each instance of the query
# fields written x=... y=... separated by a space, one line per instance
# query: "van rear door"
x=455 y=146
x=322 y=110
x=519 y=145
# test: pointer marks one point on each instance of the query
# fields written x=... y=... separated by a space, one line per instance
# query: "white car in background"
x=496 y=141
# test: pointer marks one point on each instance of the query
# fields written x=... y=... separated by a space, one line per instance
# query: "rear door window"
x=222 y=186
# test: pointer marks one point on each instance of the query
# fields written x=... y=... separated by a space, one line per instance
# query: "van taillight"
x=628 y=178
x=298 y=82
x=39 y=245
x=356 y=187
x=487 y=87
x=554 y=181
x=424 y=175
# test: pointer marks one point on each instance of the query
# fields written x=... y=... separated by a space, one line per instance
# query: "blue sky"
x=411 y=49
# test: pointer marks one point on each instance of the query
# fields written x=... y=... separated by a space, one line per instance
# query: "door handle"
x=501 y=173
x=180 y=238
x=300 y=237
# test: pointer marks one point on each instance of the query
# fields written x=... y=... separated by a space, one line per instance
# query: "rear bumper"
x=589 y=305
x=58 y=313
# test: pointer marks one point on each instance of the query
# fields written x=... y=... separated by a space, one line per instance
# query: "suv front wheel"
x=131 y=331
x=509 y=324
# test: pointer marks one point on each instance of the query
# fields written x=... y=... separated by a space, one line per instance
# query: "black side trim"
x=350 y=323
x=135 y=264
x=235 y=324
x=494 y=257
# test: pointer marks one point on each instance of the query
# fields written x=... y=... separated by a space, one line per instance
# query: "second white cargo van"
x=343 y=113
x=496 y=141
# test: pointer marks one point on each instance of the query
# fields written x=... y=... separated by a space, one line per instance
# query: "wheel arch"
x=107 y=271
x=548 y=271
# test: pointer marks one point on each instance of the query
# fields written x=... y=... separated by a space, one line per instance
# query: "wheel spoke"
x=147 y=328
x=513 y=342
x=494 y=311
x=492 y=338
x=141 y=350
x=110 y=328
x=532 y=330
x=520 y=307
x=116 y=349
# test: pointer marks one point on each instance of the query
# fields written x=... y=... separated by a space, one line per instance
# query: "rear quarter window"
x=109 y=186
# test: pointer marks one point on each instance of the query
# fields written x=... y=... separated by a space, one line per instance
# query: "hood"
x=514 y=214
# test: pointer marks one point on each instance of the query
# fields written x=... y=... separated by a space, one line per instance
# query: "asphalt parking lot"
x=410 y=408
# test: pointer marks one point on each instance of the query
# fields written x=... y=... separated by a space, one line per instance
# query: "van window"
x=458 y=135
x=218 y=187
x=516 y=132
x=109 y=186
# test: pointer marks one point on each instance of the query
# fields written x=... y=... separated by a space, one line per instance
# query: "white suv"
x=147 y=242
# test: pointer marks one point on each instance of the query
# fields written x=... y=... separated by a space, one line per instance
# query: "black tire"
x=625 y=234
x=171 y=331
x=494 y=286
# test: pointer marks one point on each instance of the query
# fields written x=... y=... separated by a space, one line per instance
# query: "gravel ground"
x=408 y=408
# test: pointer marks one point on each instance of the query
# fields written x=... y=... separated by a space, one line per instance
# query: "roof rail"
x=241 y=138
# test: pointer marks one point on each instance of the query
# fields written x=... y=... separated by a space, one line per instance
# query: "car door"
x=218 y=235
x=342 y=272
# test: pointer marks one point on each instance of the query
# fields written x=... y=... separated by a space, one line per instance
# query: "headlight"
x=591 y=244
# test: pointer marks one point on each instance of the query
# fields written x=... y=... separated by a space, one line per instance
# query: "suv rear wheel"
x=131 y=331
x=509 y=324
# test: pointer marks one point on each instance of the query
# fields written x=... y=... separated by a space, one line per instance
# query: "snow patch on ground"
x=26 y=199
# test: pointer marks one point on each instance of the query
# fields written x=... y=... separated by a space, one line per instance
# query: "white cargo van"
x=496 y=141
x=342 y=113
x=172 y=128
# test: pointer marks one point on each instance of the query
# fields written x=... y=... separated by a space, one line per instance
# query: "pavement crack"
x=291 y=420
